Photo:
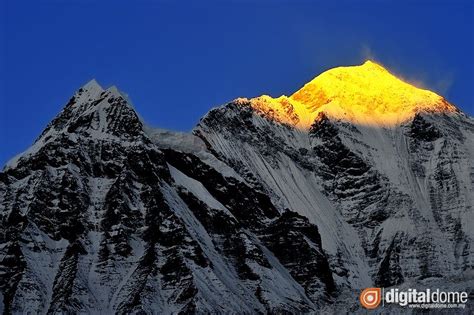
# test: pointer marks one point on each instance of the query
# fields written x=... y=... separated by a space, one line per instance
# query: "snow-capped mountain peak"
x=367 y=94
x=92 y=112
x=92 y=84
x=90 y=90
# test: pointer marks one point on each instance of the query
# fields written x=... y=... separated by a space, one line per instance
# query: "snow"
x=197 y=189
x=221 y=285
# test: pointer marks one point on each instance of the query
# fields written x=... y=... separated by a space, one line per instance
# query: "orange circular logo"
x=370 y=298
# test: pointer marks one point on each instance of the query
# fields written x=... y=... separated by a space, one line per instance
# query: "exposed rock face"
x=96 y=216
x=401 y=192
x=254 y=213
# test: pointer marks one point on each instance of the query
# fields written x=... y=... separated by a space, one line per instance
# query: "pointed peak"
x=113 y=90
x=93 y=113
x=370 y=64
x=89 y=91
x=367 y=94
x=92 y=85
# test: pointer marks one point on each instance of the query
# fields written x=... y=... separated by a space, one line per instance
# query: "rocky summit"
x=286 y=205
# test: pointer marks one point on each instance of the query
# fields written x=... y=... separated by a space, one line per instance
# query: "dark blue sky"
x=177 y=59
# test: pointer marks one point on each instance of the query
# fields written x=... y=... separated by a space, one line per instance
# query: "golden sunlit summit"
x=367 y=94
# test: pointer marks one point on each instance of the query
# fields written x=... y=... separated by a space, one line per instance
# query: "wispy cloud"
x=367 y=53
x=434 y=79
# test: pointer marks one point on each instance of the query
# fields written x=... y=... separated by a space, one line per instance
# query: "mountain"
x=272 y=205
x=366 y=94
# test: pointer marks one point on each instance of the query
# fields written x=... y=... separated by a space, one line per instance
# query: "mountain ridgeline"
x=271 y=205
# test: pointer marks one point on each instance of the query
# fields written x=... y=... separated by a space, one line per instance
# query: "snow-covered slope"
x=392 y=197
x=271 y=205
